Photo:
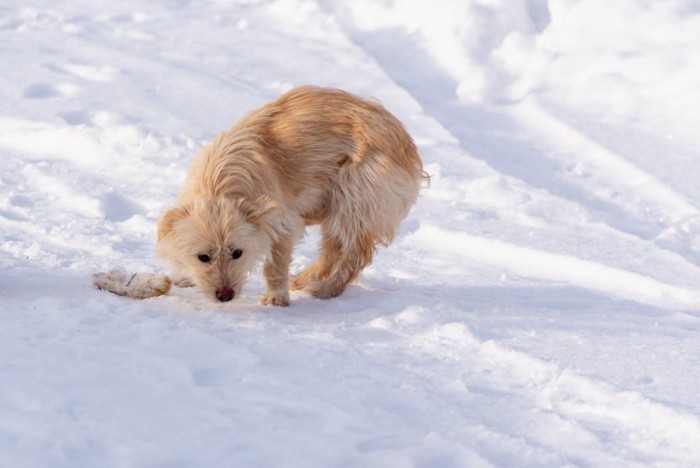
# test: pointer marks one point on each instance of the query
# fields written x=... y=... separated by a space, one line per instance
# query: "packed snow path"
x=540 y=307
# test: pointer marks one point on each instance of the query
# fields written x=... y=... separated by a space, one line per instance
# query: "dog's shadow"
x=367 y=300
x=482 y=308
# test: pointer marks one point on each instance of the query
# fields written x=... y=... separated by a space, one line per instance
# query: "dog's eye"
x=204 y=258
x=236 y=254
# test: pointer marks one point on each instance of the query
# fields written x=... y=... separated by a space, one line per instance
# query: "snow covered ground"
x=541 y=306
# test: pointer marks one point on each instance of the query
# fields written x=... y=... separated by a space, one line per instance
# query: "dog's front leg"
x=276 y=273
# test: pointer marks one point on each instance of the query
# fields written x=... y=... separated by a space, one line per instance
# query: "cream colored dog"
x=313 y=156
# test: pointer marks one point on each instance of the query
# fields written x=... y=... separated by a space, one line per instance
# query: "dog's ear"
x=261 y=207
x=266 y=214
x=169 y=218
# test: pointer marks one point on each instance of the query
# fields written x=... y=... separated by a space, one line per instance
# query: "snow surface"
x=540 y=306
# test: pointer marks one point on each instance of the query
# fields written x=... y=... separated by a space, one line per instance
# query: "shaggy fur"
x=313 y=156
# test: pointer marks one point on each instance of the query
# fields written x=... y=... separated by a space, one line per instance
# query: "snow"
x=540 y=306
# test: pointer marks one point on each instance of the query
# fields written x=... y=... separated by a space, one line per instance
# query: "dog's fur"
x=313 y=156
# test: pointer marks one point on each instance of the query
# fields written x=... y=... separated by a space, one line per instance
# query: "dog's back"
x=309 y=134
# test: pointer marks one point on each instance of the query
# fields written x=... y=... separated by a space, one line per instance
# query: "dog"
x=313 y=156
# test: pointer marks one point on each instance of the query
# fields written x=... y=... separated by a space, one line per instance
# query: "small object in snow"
x=136 y=285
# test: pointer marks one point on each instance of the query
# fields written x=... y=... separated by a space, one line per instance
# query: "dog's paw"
x=136 y=285
x=325 y=289
x=275 y=298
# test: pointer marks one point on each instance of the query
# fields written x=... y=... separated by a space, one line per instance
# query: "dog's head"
x=217 y=242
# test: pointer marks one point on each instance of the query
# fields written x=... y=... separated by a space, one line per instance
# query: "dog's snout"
x=225 y=294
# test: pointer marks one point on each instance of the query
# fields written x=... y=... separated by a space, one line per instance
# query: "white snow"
x=540 y=307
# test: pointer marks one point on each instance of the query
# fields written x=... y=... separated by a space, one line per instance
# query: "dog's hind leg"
x=329 y=255
x=339 y=264
x=372 y=195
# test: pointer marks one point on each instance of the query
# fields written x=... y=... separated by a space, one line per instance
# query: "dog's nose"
x=225 y=294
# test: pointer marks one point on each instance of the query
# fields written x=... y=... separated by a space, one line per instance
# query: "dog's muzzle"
x=225 y=294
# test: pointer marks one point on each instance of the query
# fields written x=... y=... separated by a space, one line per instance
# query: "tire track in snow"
x=553 y=267
x=615 y=192
x=659 y=209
